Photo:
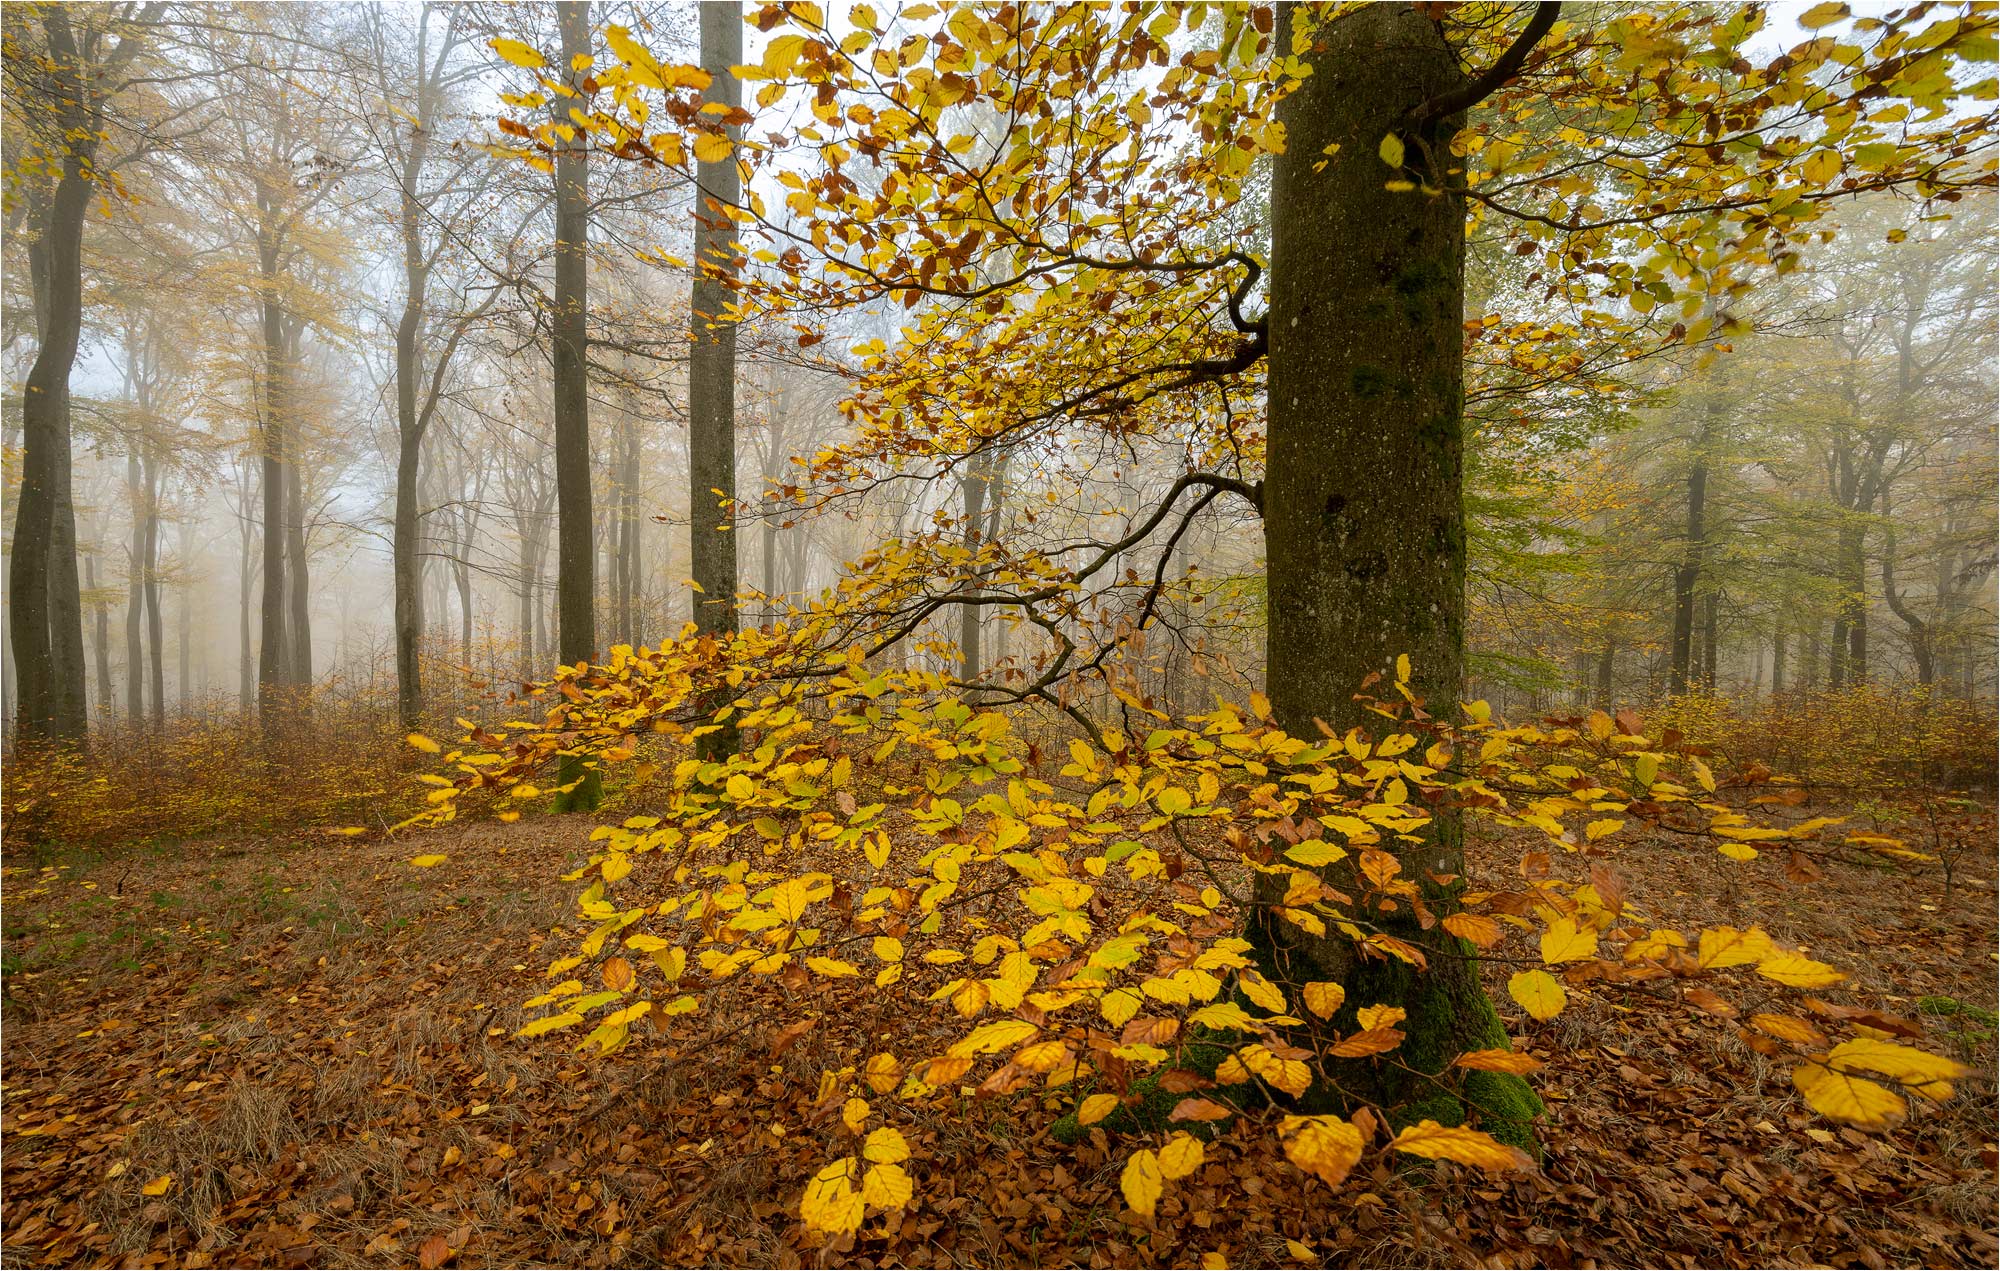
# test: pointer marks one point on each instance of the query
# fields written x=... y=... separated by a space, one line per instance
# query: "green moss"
x=589 y=791
x=1149 y=1103
x=1368 y=382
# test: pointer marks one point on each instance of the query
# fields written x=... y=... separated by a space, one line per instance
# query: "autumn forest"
x=679 y=632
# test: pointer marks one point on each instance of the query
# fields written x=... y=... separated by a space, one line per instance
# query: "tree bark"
x=712 y=363
x=1364 y=522
x=101 y=632
x=45 y=618
x=1688 y=580
x=156 y=672
x=298 y=593
x=135 y=592
x=274 y=658
x=576 y=580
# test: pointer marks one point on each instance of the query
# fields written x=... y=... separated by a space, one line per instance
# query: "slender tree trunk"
x=1922 y=635
x=47 y=637
x=274 y=657
x=1778 y=649
x=712 y=362
x=184 y=619
x=101 y=630
x=135 y=593
x=1607 y=663
x=1688 y=579
x=576 y=581
x=298 y=593
x=246 y=577
x=1710 y=630
x=972 y=485
x=150 y=571
x=1364 y=522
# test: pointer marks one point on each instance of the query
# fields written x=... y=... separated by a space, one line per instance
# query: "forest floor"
x=296 y=1054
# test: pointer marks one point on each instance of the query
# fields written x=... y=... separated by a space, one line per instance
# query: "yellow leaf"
x=883 y=1073
x=1842 y=1096
x=999 y=1035
x=1326 y=1147
x=1402 y=659
x=1459 y=1143
x=782 y=54
x=1821 y=168
x=1042 y=1056
x=1798 y=971
x=1906 y=1064
x=832 y=968
x=1391 y=151
x=1096 y=1108
x=886 y=1146
x=1303 y=1252
x=159 y=1186
x=1323 y=998
x=1142 y=1182
x=1598 y=829
x=423 y=743
x=887 y=1186
x=831 y=1204
x=1538 y=993
x=1477 y=928
x=425 y=862
x=1737 y=851
x=1564 y=942
x=1822 y=15
x=1726 y=947
x=549 y=1024
x=1789 y=1027
x=711 y=147
x=518 y=53
x=1379 y=1016
x=1180 y=1157
x=1262 y=992
x=854 y=1114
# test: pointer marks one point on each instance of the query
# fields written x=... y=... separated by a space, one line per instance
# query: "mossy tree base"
x=589 y=786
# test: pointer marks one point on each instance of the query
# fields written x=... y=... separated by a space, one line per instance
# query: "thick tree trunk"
x=1364 y=529
x=712 y=362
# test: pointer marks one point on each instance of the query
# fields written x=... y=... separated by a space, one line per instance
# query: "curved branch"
x=1495 y=77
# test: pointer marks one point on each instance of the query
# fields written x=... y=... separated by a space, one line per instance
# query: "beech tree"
x=62 y=81
x=1052 y=307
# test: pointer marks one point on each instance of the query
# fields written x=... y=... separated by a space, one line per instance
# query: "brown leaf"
x=1199 y=1110
x=432 y=1253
